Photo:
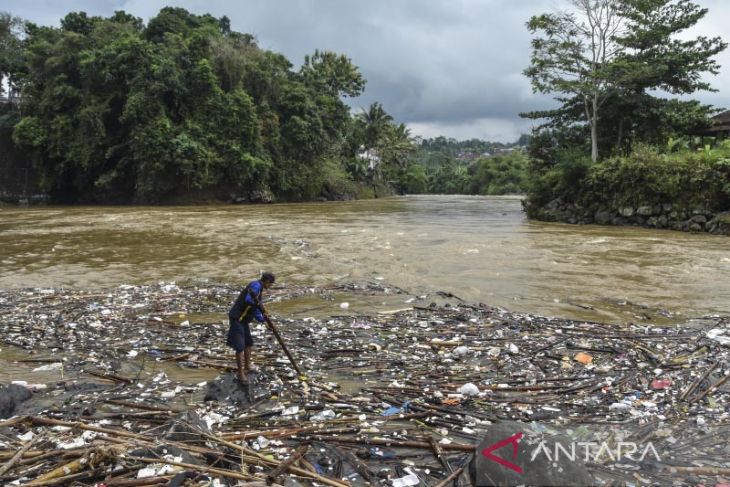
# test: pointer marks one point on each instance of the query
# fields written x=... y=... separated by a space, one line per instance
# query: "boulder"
x=696 y=227
x=720 y=224
x=662 y=221
x=226 y=388
x=527 y=468
x=603 y=217
x=699 y=219
x=627 y=211
x=10 y=397
x=644 y=211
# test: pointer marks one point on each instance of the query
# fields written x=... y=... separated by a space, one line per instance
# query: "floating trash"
x=402 y=398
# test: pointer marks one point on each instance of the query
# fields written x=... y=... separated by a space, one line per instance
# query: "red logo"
x=514 y=440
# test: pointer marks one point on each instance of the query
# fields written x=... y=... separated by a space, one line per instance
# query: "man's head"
x=267 y=279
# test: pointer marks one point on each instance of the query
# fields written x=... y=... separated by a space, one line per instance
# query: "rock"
x=603 y=217
x=262 y=196
x=699 y=219
x=662 y=221
x=533 y=469
x=696 y=227
x=627 y=211
x=226 y=388
x=667 y=207
x=644 y=211
x=187 y=428
x=652 y=221
x=657 y=210
x=720 y=224
x=10 y=397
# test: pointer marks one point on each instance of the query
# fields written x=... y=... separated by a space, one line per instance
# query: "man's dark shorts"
x=239 y=334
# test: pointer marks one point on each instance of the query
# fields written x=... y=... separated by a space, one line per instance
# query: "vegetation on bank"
x=184 y=109
x=113 y=110
x=688 y=180
x=478 y=167
x=616 y=139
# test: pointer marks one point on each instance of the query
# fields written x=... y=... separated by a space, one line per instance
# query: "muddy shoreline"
x=393 y=397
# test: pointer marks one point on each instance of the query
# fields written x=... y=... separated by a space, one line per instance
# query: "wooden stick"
x=283 y=466
x=699 y=381
x=119 y=482
x=698 y=470
x=439 y=454
x=360 y=467
x=197 y=468
x=77 y=424
x=710 y=389
x=393 y=443
x=17 y=456
x=266 y=461
x=454 y=475
x=145 y=407
x=283 y=345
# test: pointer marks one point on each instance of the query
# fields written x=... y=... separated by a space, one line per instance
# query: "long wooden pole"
x=279 y=339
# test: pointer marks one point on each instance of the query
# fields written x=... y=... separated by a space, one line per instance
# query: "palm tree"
x=375 y=121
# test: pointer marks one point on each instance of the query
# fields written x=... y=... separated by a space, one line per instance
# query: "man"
x=244 y=310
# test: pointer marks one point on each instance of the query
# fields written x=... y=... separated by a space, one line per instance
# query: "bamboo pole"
x=283 y=466
x=199 y=468
x=9 y=464
x=454 y=475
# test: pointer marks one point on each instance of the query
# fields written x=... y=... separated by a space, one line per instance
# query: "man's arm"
x=252 y=298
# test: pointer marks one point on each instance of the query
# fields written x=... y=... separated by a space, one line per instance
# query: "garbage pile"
x=395 y=398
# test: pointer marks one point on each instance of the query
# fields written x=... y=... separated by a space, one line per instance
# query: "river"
x=481 y=249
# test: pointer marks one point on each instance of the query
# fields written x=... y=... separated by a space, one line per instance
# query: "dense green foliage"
x=607 y=62
x=611 y=104
x=685 y=178
x=447 y=166
x=118 y=111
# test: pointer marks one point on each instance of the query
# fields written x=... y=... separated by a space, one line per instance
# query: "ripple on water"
x=479 y=248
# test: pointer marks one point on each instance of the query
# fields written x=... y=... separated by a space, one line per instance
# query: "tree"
x=575 y=56
x=11 y=52
x=118 y=111
x=332 y=74
x=644 y=55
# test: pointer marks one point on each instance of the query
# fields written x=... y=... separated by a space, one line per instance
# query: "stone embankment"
x=664 y=216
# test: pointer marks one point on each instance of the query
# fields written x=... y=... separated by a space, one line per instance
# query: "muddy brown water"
x=481 y=249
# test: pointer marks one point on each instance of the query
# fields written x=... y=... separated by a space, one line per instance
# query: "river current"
x=481 y=249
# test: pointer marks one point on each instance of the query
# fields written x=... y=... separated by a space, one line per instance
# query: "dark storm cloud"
x=444 y=67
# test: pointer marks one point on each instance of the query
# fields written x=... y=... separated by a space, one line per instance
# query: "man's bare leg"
x=247 y=359
x=239 y=363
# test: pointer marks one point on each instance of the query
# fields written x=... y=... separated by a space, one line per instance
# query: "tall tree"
x=11 y=53
x=606 y=59
x=574 y=56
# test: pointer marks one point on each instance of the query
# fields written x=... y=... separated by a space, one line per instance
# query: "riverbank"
x=400 y=397
x=660 y=216
x=685 y=190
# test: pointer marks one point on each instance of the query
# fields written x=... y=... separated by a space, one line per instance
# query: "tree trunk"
x=594 y=131
x=620 y=136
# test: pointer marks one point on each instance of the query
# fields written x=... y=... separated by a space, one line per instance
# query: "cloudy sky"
x=445 y=67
